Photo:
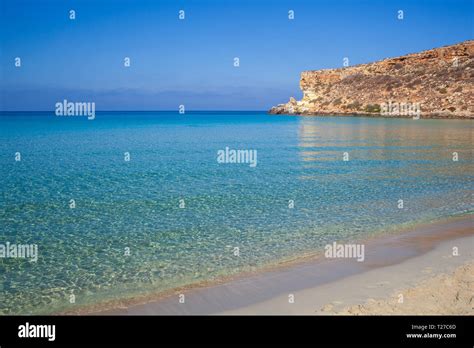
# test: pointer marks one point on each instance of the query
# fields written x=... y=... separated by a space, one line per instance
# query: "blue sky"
x=190 y=61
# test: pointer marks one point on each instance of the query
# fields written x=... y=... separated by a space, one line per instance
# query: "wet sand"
x=321 y=285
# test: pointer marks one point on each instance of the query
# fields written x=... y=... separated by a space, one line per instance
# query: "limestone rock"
x=440 y=82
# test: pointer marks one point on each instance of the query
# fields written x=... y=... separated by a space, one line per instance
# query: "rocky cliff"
x=434 y=83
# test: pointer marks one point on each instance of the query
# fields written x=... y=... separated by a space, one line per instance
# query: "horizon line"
x=177 y=111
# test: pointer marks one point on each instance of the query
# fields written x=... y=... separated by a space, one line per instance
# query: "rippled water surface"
x=136 y=204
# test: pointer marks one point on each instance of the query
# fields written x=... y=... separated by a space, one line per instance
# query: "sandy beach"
x=434 y=283
x=422 y=270
x=448 y=293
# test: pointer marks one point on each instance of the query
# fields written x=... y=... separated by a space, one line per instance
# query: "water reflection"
x=386 y=146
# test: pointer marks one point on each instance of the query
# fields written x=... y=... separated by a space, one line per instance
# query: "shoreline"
x=243 y=290
x=434 y=283
x=373 y=115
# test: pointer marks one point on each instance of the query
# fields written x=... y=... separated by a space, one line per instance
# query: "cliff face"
x=433 y=83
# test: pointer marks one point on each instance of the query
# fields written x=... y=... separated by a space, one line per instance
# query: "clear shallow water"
x=136 y=204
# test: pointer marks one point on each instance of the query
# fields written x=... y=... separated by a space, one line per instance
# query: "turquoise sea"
x=128 y=235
